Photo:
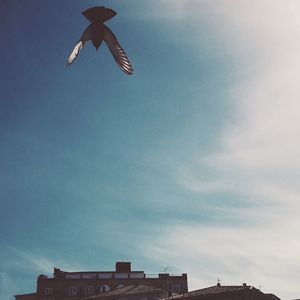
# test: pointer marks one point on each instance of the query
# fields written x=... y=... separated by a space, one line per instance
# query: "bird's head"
x=99 y=14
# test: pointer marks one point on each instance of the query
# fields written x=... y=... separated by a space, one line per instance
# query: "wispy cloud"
x=266 y=257
x=258 y=150
x=7 y=285
x=20 y=267
x=35 y=261
x=257 y=155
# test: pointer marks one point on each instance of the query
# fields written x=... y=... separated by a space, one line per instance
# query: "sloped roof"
x=128 y=290
x=119 y=291
x=147 y=289
x=213 y=290
x=274 y=297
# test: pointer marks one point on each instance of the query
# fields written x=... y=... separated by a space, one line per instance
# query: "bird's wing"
x=117 y=51
x=84 y=38
x=74 y=53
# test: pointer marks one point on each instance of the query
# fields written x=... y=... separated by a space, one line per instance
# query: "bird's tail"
x=99 y=14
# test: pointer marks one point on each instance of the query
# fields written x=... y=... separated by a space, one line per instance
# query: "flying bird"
x=97 y=32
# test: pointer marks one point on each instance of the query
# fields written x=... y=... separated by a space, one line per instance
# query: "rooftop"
x=122 y=270
x=129 y=290
x=213 y=290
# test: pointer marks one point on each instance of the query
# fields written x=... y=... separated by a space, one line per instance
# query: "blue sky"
x=196 y=153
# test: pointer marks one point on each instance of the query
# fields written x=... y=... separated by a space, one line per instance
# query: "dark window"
x=89 y=290
x=48 y=291
x=72 y=291
x=175 y=287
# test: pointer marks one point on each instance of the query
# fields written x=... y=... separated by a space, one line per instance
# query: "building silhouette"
x=81 y=285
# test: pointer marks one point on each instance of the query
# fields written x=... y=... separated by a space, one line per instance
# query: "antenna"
x=165 y=269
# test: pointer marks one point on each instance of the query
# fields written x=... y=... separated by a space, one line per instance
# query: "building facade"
x=79 y=285
x=220 y=292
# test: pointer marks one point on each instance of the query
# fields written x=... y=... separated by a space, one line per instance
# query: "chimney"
x=123 y=267
x=244 y=284
x=41 y=277
x=218 y=284
x=56 y=271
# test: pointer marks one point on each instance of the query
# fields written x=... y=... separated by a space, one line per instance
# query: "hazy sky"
x=192 y=162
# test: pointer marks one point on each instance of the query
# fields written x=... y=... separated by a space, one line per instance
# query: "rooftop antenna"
x=165 y=269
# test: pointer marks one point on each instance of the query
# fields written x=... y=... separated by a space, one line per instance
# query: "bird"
x=97 y=32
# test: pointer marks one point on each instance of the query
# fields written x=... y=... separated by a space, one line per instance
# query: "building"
x=219 y=292
x=80 y=285
x=132 y=292
x=125 y=284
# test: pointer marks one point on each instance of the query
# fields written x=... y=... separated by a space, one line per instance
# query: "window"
x=105 y=275
x=73 y=276
x=175 y=287
x=48 y=291
x=89 y=276
x=104 y=288
x=72 y=291
x=88 y=290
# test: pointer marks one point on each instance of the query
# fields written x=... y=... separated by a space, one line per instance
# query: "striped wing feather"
x=117 y=51
x=84 y=38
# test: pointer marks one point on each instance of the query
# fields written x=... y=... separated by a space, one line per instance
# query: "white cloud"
x=259 y=150
x=266 y=257
x=257 y=157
